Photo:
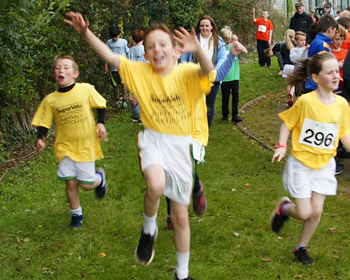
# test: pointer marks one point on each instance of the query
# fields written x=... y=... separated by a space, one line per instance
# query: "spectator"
x=288 y=65
x=321 y=10
x=301 y=21
x=208 y=35
x=327 y=9
x=117 y=45
x=339 y=14
x=339 y=53
x=231 y=83
x=314 y=17
x=276 y=51
x=263 y=36
x=345 y=23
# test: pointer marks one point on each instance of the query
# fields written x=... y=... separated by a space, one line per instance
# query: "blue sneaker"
x=101 y=189
x=76 y=221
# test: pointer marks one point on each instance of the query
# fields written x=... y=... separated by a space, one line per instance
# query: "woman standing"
x=214 y=46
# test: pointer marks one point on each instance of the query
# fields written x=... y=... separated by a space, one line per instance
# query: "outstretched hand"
x=77 y=21
x=237 y=47
x=188 y=41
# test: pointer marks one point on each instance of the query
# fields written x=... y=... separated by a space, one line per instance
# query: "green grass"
x=232 y=241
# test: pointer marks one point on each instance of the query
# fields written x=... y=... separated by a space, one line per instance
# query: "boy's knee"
x=180 y=219
x=155 y=187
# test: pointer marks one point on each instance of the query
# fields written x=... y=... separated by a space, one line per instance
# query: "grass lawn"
x=232 y=241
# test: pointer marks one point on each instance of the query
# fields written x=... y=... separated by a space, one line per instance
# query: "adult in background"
x=214 y=46
x=301 y=21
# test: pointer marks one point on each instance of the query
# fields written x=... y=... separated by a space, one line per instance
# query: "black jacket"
x=301 y=23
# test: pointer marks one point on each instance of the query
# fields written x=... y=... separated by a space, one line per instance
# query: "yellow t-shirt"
x=200 y=126
x=316 y=128
x=71 y=111
x=166 y=103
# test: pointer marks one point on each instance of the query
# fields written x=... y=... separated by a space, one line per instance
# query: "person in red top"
x=336 y=47
x=345 y=22
x=263 y=36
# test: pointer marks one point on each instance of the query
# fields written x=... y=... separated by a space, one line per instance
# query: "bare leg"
x=310 y=211
x=72 y=191
x=155 y=181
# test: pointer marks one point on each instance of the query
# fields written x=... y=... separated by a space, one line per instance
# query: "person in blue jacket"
x=214 y=46
x=327 y=26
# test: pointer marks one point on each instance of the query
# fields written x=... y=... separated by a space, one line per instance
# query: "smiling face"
x=65 y=72
x=159 y=51
x=328 y=78
x=205 y=28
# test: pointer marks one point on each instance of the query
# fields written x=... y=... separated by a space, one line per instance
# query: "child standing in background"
x=77 y=136
x=120 y=46
x=137 y=51
x=263 y=36
x=231 y=82
x=297 y=54
x=318 y=121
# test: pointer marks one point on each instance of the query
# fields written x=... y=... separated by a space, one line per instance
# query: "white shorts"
x=287 y=70
x=173 y=154
x=84 y=172
x=198 y=151
x=300 y=181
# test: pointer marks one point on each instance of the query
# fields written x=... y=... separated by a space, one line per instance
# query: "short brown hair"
x=137 y=35
x=161 y=27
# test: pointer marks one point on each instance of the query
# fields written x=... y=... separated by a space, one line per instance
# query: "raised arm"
x=254 y=19
x=190 y=44
x=82 y=27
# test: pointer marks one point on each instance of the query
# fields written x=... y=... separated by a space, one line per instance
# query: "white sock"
x=183 y=260
x=149 y=224
x=78 y=211
x=99 y=178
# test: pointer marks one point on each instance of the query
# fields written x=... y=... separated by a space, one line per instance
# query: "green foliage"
x=32 y=33
x=185 y=13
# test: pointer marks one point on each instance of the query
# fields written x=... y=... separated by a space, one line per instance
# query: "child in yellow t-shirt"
x=77 y=136
x=167 y=97
x=318 y=119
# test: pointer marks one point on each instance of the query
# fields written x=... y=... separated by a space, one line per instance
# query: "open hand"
x=77 y=22
x=188 y=41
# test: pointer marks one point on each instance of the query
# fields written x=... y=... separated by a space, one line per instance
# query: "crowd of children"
x=147 y=66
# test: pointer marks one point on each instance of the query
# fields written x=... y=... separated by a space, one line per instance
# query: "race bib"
x=262 y=28
x=318 y=135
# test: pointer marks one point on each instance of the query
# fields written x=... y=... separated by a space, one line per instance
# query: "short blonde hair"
x=226 y=33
